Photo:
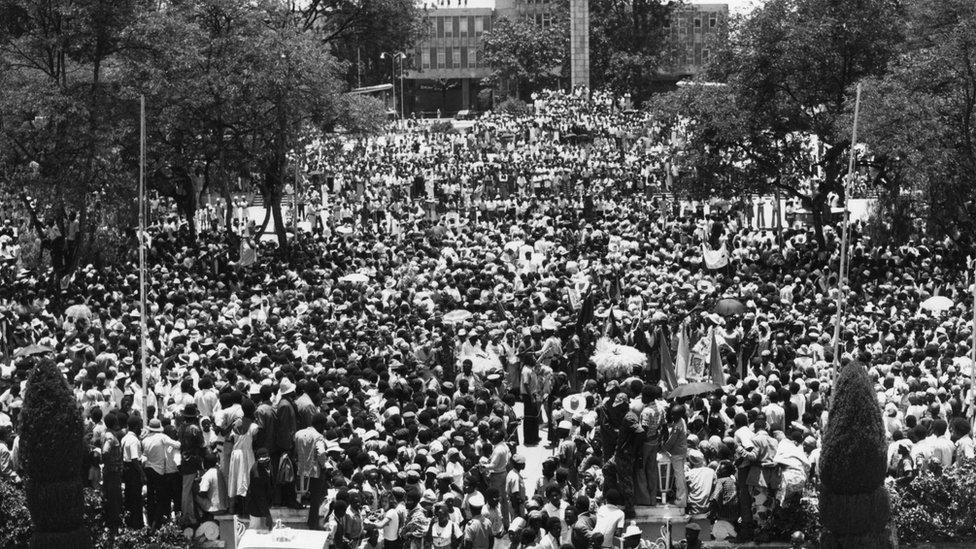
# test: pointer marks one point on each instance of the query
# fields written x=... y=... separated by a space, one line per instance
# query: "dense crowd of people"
x=392 y=373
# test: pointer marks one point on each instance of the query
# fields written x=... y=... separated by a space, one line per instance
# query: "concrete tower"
x=579 y=42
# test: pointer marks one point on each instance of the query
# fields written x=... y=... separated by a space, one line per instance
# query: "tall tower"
x=579 y=43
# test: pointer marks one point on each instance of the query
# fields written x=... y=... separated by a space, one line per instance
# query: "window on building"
x=463 y=31
x=538 y=19
x=441 y=58
x=473 y=58
x=667 y=22
x=456 y=26
x=488 y=23
x=425 y=58
x=479 y=26
x=698 y=22
x=481 y=58
x=464 y=58
x=712 y=21
x=440 y=27
x=449 y=27
x=456 y=57
x=704 y=56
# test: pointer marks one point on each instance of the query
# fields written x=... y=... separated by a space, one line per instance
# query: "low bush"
x=514 y=107
x=16 y=526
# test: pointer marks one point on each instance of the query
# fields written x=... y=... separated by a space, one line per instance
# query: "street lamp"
x=394 y=57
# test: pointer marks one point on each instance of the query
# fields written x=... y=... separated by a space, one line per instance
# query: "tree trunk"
x=280 y=231
x=229 y=210
x=267 y=216
x=816 y=213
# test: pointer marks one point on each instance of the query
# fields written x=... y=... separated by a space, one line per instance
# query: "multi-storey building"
x=693 y=31
x=444 y=71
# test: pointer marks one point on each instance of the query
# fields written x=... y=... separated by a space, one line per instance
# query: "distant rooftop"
x=736 y=6
x=448 y=4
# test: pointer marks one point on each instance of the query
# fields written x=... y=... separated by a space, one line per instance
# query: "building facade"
x=694 y=30
x=447 y=67
x=444 y=71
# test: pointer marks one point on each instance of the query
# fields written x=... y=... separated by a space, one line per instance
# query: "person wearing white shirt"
x=556 y=507
x=609 y=517
x=156 y=446
x=206 y=398
x=935 y=445
x=132 y=473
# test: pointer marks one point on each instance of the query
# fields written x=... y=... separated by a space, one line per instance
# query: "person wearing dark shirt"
x=282 y=458
x=582 y=529
x=258 y=500
x=264 y=417
x=192 y=450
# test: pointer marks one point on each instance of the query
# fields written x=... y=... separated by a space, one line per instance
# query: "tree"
x=358 y=32
x=920 y=119
x=362 y=114
x=854 y=506
x=52 y=451
x=63 y=120
x=233 y=89
x=628 y=44
x=525 y=56
x=788 y=72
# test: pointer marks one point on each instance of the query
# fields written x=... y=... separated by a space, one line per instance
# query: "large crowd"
x=440 y=318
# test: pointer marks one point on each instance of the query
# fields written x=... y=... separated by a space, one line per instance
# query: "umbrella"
x=78 y=311
x=32 y=350
x=937 y=304
x=355 y=278
x=692 y=389
x=615 y=361
x=457 y=315
x=729 y=307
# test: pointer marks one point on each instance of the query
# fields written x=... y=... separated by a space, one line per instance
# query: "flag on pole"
x=668 y=374
x=684 y=353
x=611 y=329
x=715 y=361
x=715 y=259
x=615 y=286
x=585 y=314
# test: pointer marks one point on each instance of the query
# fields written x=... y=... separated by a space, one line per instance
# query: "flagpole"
x=142 y=250
x=843 y=243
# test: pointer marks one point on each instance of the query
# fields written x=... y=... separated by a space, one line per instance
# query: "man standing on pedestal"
x=651 y=420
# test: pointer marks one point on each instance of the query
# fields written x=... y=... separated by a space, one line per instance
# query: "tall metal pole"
x=843 y=242
x=973 y=346
x=142 y=250
x=972 y=352
x=393 y=81
x=402 y=98
x=295 y=200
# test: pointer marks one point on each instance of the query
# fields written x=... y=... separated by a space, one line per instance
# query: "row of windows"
x=451 y=58
x=682 y=22
x=542 y=19
x=449 y=27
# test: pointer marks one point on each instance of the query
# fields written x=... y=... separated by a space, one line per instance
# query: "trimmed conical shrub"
x=854 y=506
x=52 y=451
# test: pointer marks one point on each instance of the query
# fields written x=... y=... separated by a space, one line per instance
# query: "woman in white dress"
x=242 y=456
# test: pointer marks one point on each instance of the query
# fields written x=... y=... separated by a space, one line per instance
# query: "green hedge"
x=16 y=527
x=52 y=448
x=853 y=460
x=51 y=443
x=932 y=508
